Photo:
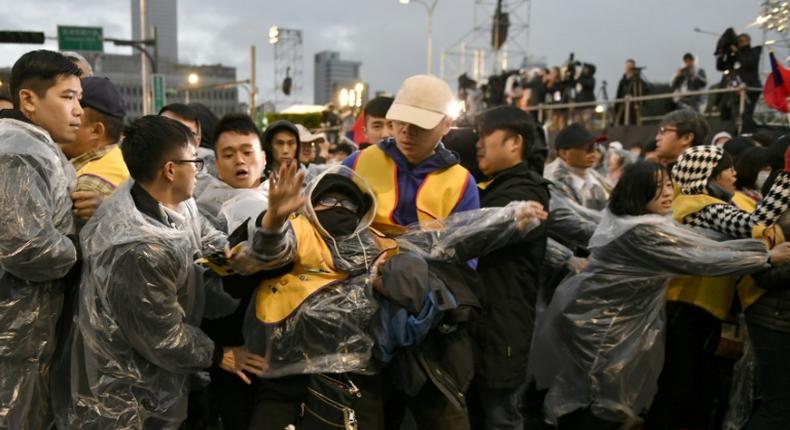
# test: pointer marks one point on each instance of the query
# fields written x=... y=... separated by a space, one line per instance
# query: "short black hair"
x=344 y=147
x=378 y=107
x=638 y=185
x=512 y=120
x=240 y=123
x=113 y=126
x=688 y=121
x=748 y=167
x=725 y=162
x=688 y=56
x=207 y=121
x=182 y=111
x=38 y=71
x=149 y=141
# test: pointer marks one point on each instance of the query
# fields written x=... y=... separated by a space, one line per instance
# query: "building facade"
x=162 y=14
x=330 y=74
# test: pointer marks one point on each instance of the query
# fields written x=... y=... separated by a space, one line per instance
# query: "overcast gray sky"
x=389 y=38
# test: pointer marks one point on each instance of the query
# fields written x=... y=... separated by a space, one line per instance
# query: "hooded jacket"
x=36 y=252
x=600 y=343
x=319 y=317
x=692 y=173
x=315 y=318
x=141 y=300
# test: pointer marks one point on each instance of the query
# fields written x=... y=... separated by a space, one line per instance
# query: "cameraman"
x=630 y=84
x=740 y=63
x=688 y=78
x=585 y=92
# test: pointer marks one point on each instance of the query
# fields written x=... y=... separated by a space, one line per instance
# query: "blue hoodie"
x=411 y=177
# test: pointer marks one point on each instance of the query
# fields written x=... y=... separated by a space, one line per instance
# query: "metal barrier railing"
x=626 y=101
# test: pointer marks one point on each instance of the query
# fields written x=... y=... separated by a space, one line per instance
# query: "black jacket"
x=772 y=309
x=509 y=280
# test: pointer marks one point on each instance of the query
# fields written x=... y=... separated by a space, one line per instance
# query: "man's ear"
x=518 y=144
x=28 y=100
x=98 y=129
x=687 y=140
x=447 y=123
x=169 y=171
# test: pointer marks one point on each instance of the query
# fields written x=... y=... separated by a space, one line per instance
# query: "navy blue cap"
x=100 y=94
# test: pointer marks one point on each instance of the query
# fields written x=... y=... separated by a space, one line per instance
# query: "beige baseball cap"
x=422 y=100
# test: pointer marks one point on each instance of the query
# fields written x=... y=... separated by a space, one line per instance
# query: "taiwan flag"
x=777 y=86
x=355 y=134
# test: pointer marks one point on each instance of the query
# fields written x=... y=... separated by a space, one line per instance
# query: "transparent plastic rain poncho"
x=570 y=223
x=330 y=332
x=35 y=254
x=226 y=207
x=141 y=301
x=600 y=343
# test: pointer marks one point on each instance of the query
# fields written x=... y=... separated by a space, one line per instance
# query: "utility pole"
x=146 y=79
x=253 y=88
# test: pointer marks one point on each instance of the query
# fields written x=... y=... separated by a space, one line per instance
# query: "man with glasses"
x=572 y=172
x=137 y=340
x=187 y=116
x=680 y=130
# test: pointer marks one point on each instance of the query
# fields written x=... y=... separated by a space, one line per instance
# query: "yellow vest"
x=277 y=299
x=436 y=198
x=111 y=168
x=714 y=294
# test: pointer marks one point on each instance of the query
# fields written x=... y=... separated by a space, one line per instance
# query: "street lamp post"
x=192 y=80
x=428 y=8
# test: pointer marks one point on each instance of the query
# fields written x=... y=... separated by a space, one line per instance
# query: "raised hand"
x=285 y=196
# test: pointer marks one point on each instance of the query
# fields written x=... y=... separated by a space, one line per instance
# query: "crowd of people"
x=183 y=271
x=574 y=82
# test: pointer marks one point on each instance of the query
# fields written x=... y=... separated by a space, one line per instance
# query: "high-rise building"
x=162 y=14
x=330 y=74
x=124 y=72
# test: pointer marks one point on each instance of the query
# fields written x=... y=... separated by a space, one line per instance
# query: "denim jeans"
x=772 y=349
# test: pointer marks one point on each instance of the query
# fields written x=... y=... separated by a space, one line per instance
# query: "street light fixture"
x=428 y=8
x=193 y=79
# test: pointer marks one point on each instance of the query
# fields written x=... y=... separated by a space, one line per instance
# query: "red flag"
x=355 y=133
x=777 y=86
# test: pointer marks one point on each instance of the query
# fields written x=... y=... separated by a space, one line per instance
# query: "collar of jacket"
x=15 y=114
x=441 y=158
x=519 y=170
x=146 y=204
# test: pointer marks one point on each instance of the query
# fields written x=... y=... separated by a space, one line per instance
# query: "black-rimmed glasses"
x=198 y=163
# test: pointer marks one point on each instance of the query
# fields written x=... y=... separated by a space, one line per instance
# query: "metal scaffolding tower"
x=475 y=55
x=288 y=65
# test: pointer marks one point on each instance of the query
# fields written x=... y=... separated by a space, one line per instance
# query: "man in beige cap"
x=414 y=177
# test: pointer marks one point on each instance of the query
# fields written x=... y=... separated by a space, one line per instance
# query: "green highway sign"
x=158 y=89
x=72 y=38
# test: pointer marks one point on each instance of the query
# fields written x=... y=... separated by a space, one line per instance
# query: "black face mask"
x=338 y=221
